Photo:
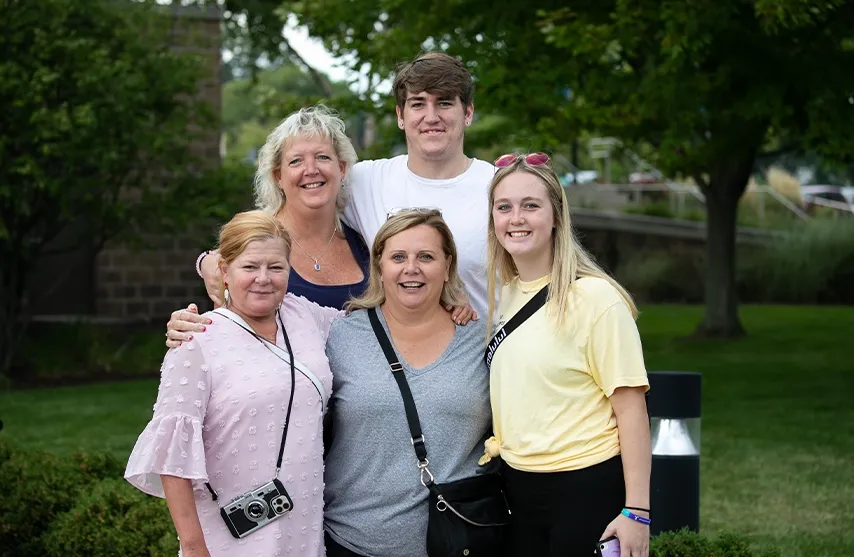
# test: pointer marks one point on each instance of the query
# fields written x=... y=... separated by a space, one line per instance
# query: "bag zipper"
x=447 y=505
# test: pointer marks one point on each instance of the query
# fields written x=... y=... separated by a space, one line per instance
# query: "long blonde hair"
x=570 y=261
x=453 y=292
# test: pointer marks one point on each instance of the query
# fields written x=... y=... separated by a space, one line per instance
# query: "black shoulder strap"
x=405 y=392
x=521 y=316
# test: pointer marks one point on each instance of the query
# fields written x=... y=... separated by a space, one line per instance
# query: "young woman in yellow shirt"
x=567 y=386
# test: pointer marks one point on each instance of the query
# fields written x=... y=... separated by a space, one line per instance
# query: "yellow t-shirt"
x=550 y=390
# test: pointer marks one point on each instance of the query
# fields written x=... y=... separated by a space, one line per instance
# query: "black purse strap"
x=264 y=342
x=405 y=393
x=529 y=309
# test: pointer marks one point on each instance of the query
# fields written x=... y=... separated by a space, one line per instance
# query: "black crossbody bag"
x=468 y=517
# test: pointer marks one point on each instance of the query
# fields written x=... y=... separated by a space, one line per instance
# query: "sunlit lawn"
x=778 y=421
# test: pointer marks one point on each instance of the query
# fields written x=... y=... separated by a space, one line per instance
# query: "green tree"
x=253 y=105
x=708 y=84
x=99 y=113
x=712 y=85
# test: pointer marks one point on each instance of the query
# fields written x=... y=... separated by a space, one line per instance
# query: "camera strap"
x=285 y=357
x=293 y=384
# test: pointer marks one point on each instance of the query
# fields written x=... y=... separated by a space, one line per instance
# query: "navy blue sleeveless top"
x=335 y=296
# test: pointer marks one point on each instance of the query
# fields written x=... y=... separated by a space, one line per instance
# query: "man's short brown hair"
x=436 y=73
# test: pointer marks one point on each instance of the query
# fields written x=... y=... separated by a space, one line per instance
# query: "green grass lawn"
x=778 y=421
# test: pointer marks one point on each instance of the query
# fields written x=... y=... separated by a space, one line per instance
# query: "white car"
x=837 y=197
x=580 y=177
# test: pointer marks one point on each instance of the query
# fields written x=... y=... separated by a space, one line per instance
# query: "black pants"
x=563 y=514
x=335 y=549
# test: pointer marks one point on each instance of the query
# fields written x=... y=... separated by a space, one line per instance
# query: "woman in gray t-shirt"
x=375 y=503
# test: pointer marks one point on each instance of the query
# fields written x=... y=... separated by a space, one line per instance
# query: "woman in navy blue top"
x=335 y=295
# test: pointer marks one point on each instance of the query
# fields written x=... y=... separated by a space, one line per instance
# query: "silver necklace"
x=319 y=257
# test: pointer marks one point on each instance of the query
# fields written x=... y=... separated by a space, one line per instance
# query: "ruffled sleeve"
x=171 y=444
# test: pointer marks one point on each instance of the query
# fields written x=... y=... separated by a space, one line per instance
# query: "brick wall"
x=148 y=285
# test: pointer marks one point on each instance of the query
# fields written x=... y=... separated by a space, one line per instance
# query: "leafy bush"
x=813 y=263
x=686 y=543
x=37 y=487
x=97 y=466
x=661 y=277
x=114 y=519
x=5 y=452
x=59 y=507
x=87 y=350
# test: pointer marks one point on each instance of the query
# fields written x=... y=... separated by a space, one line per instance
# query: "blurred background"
x=706 y=149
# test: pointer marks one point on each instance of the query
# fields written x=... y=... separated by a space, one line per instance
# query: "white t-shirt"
x=376 y=187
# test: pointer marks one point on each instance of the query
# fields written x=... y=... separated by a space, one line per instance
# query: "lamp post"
x=674 y=410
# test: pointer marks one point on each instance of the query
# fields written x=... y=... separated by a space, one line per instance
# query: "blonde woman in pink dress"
x=227 y=402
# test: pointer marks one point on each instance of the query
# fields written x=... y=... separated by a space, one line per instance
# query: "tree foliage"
x=253 y=106
x=99 y=114
x=708 y=84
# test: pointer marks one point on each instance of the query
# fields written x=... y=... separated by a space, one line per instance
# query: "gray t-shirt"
x=375 y=503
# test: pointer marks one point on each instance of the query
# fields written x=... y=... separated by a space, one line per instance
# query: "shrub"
x=653 y=276
x=97 y=466
x=87 y=350
x=5 y=452
x=814 y=263
x=36 y=487
x=686 y=543
x=114 y=519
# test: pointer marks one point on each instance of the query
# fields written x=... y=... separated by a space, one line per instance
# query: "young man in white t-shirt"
x=434 y=101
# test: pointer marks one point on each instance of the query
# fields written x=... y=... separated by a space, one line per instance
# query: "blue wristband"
x=637 y=518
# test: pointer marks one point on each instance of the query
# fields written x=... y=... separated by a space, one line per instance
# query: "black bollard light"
x=674 y=410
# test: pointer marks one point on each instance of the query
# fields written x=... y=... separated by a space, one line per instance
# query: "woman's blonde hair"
x=245 y=228
x=570 y=260
x=313 y=123
x=453 y=292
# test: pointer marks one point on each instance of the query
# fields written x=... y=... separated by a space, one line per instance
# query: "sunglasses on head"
x=531 y=159
x=401 y=210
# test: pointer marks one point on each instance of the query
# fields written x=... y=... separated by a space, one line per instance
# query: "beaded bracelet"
x=637 y=518
x=199 y=262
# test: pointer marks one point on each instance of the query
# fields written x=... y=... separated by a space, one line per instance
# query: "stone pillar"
x=134 y=285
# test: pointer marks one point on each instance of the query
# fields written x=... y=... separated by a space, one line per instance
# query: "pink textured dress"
x=219 y=414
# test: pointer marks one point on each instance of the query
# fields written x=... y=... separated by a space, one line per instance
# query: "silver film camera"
x=253 y=510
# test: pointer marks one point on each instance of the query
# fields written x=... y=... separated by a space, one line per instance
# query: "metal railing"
x=680 y=197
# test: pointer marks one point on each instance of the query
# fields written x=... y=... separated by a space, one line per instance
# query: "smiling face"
x=523 y=218
x=434 y=125
x=311 y=173
x=258 y=278
x=414 y=268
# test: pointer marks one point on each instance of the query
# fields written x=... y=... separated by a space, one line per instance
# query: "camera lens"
x=281 y=505
x=256 y=510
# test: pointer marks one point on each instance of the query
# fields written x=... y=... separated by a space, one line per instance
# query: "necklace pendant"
x=316 y=266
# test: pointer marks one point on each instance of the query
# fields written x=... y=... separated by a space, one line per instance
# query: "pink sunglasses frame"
x=531 y=159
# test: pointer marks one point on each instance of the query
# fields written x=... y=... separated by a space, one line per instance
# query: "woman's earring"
x=225 y=294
